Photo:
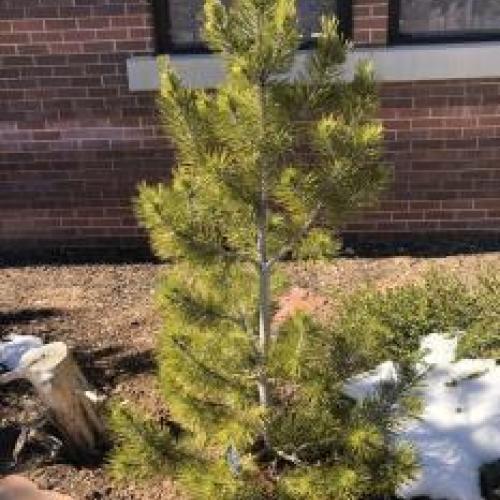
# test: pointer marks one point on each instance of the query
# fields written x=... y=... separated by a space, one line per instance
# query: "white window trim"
x=392 y=64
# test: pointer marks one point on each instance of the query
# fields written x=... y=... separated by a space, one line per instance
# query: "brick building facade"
x=75 y=141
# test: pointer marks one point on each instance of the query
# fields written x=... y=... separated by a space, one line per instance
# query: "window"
x=444 y=20
x=179 y=22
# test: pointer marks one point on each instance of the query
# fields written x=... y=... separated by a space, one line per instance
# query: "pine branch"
x=288 y=247
x=203 y=312
x=209 y=249
x=217 y=376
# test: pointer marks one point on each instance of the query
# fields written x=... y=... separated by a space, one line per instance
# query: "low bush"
x=482 y=333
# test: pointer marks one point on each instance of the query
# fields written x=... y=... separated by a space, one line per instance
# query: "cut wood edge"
x=73 y=407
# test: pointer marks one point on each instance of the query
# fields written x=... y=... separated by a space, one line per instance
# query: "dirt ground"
x=106 y=314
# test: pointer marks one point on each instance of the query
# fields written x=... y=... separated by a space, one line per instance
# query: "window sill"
x=392 y=64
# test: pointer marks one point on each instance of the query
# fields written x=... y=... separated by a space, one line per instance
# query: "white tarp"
x=15 y=347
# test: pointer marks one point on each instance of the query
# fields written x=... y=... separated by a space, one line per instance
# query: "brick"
x=101 y=46
x=43 y=12
x=68 y=70
x=137 y=8
x=109 y=10
x=112 y=34
x=6 y=27
x=35 y=49
x=493 y=204
x=423 y=226
x=14 y=38
x=361 y=11
x=145 y=33
x=46 y=135
x=78 y=142
x=133 y=46
x=45 y=37
x=28 y=25
x=93 y=23
x=60 y=24
x=65 y=48
x=79 y=35
x=7 y=50
x=74 y=12
x=128 y=21
x=373 y=23
x=50 y=60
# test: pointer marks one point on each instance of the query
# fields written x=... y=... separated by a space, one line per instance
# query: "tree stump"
x=70 y=401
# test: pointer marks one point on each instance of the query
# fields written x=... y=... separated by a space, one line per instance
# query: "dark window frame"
x=398 y=38
x=165 y=44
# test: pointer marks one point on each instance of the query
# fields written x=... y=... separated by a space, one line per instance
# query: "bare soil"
x=106 y=314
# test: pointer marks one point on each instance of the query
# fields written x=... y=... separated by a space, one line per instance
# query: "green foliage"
x=310 y=363
x=482 y=339
x=342 y=450
x=227 y=140
x=214 y=479
x=142 y=450
x=268 y=166
x=318 y=244
x=390 y=324
x=206 y=351
x=482 y=335
x=339 y=481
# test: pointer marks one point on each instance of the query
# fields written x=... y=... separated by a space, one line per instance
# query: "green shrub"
x=390 y=324
x=482 y=334
x=375 y=326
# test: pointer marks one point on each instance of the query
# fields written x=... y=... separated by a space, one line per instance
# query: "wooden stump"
x=71 y=403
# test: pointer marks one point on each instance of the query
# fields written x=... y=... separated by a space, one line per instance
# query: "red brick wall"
x=443 y=140
x=74 y=141
x=370 y=22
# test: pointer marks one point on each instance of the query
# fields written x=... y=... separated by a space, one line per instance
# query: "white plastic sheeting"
x=15 y=347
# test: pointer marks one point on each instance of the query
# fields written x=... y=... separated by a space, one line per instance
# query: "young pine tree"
x=268 y=165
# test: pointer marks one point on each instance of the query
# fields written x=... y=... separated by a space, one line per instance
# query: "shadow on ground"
x=25 y=316
x=105 y=366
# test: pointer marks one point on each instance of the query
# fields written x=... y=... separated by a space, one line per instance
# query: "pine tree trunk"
x=264 y=334
x=264 y=277
x=264 y=282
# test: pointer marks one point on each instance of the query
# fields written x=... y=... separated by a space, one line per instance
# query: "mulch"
x=106 y=314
